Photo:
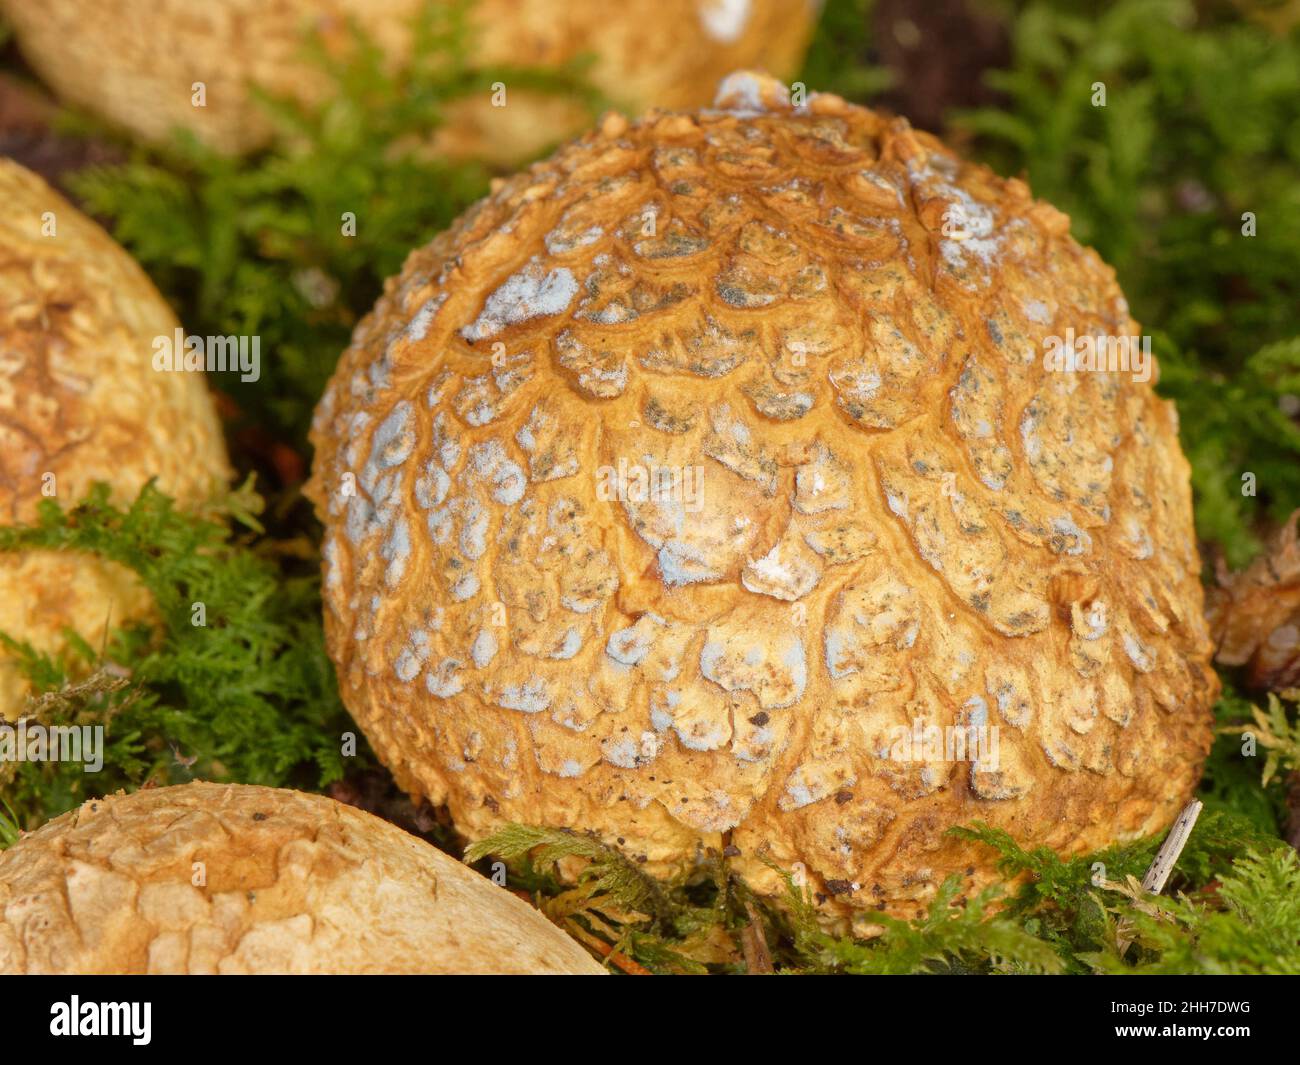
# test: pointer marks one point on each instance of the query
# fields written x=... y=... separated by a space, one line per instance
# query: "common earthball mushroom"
x=137 y=62
x=233 y=879
x=700 y=480
x=80 y=402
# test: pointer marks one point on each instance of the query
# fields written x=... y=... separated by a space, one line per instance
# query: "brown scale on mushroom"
x=879 y=508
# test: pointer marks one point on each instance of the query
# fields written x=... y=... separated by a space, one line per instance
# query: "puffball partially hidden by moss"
x=80 y=402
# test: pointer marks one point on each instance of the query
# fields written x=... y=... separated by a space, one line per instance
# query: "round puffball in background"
x=81 y=402
x=136 y=62
x=697 y=480
x=231 y=878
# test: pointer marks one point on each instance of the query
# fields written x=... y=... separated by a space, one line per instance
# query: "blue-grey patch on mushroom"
x=466 y=587
x=531 y=697
x=473 y=529
x=569 y=646
x=630 y=645
x=532 y=292
x=1068 y=538
x=681 y=564
x=393 y=440
x=484 y=648
x=395 y=550
x=443 y=681
x=432 y=487
x=359 y=520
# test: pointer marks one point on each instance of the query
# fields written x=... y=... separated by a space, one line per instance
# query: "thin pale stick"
x=1172 y=848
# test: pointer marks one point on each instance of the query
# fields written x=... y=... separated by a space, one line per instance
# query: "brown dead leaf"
x=1255 y=614
x=28 y=134
x=758 y=958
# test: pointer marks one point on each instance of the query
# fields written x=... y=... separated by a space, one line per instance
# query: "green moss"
x=606 y=872
x=1229 y=902
x=1250 y=925
x=9 y=830
x=1243 y=786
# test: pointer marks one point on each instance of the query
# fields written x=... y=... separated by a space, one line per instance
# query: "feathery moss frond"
x=607 y=873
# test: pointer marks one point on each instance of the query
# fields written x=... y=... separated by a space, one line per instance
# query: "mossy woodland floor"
x=1201 y=129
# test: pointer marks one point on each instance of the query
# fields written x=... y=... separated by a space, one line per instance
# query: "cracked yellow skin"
x=235 y=879
x=80 y=402
x=134 y=62
x=904 y=516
